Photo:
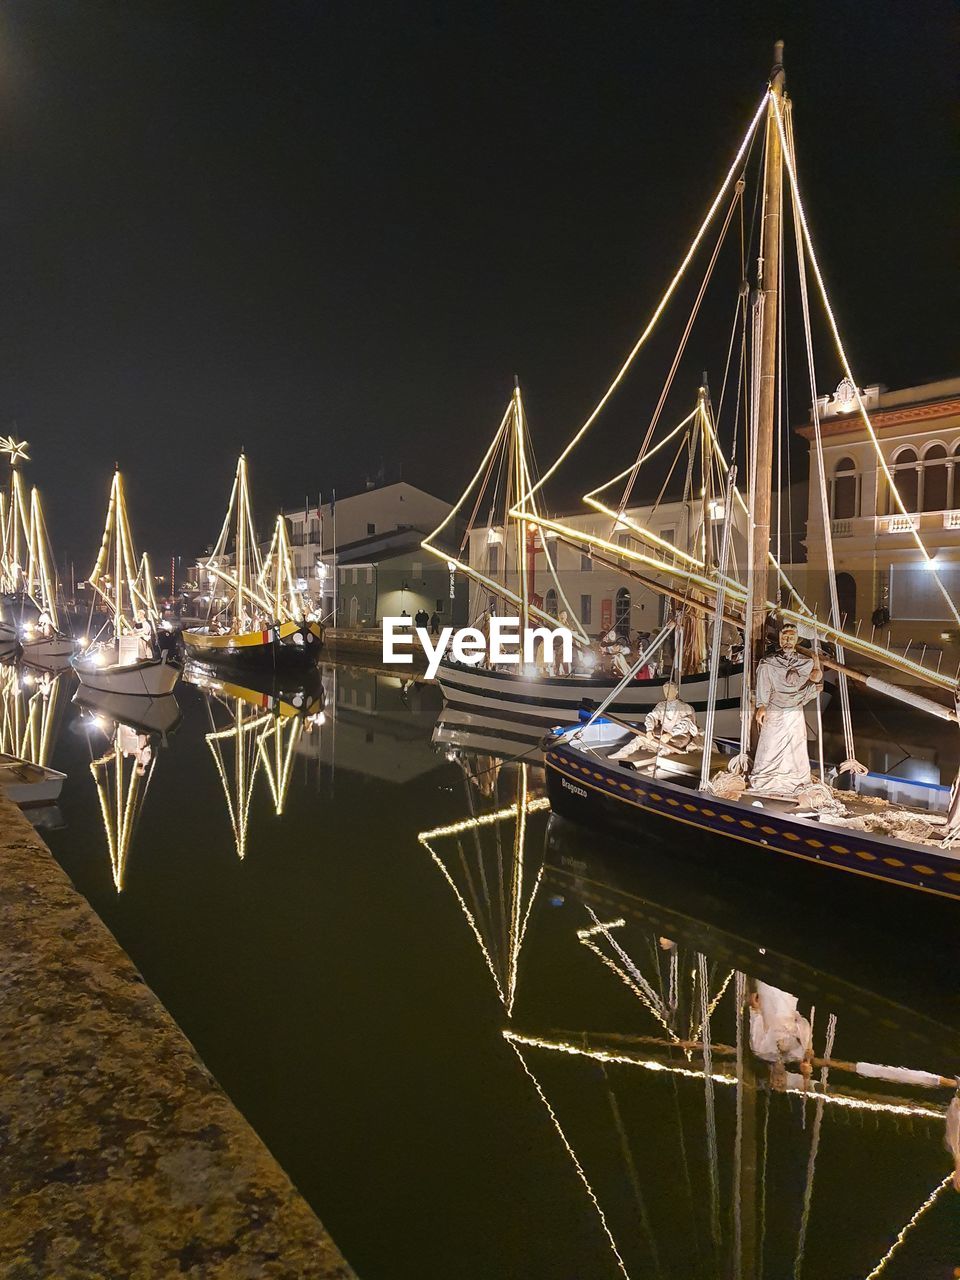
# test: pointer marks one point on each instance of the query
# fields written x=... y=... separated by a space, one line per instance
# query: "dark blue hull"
x=604 y=796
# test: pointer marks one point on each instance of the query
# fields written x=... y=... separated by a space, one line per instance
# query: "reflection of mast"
x=120 y=796
x=500 y=941
x=247 y=731
x=278 y=757
x=28 y=723
x=693 y=1056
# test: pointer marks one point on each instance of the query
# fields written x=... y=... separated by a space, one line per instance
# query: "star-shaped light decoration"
x=15 y=449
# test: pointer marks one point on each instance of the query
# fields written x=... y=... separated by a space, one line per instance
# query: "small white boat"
x=101 y=668
x=27 y=784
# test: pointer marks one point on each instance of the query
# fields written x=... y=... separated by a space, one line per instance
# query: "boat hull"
x=52 y=653
x=149 y=678
x=28 y=784
x=546 y=701
x=275 y=649
x=146 y=715
x=604 y=795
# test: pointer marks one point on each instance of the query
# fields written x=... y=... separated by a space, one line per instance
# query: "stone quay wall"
x=120 y=1155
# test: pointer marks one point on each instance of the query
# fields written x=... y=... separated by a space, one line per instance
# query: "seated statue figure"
x=671 y=726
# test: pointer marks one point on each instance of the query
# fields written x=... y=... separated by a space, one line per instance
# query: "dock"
x=120 y=1155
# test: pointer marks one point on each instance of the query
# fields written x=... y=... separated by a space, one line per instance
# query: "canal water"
x=486 y=1044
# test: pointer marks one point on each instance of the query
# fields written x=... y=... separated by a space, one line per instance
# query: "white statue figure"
x=779 y=1033
x=670 y=726
x=786 y=681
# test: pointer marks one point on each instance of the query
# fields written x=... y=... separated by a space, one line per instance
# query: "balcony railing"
x=841 y=528
x=897 y=524
x=951 y=519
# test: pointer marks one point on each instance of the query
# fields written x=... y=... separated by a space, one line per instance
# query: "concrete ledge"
x=119 y=1153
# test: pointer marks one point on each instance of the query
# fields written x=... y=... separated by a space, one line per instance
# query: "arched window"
x=906 y=477
x=936 y=478
x=550 y=603
x=845 y=490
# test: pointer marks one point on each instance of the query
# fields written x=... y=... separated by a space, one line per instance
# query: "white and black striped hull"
x=513 y=700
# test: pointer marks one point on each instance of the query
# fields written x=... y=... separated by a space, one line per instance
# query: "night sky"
x=332 y=232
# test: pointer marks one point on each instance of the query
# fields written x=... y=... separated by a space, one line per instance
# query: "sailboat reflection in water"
x=484 y=860
x=135 y=729
x=254 y=729
x=698 y=1108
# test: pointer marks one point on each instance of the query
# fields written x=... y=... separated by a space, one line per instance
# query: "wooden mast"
x=768 y=285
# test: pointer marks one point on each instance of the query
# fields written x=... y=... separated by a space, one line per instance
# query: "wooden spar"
x=887 y=656
x=768 y=283
x=721 y=1050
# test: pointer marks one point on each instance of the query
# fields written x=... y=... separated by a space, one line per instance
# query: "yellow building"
x=882 y=580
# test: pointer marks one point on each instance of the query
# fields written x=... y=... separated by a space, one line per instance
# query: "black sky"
x=333 y=232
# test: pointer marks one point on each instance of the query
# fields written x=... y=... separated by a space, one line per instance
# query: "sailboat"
x=261 y=620
x=516 y=700
x=119 y=658
x=29 y=617
x=612 y=773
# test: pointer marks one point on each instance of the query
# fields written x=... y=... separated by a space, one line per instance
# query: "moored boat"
x=29 y=590
x=627 y=774
x=122 y=656
x=261 y=621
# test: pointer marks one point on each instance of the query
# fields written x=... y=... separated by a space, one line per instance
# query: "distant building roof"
x=839 y=412
x=381 y=546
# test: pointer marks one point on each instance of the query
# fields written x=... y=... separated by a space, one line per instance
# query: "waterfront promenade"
x=120 y=1155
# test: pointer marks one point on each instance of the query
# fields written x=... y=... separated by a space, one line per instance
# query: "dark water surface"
x=351 y=978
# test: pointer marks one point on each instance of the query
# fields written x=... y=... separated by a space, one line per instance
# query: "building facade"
x=321 y=539
x=390 y=575
x=883 y=582
x=602 y=597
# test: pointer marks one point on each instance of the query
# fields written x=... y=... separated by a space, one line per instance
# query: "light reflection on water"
x=487 y=1044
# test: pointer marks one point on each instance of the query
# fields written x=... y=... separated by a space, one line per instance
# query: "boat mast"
x=118 y=556
x=515 y=500
x=241 y=537
x=767 y=283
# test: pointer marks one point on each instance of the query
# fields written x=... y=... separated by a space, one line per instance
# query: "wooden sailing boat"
x=513 y=700
x=261 y=620
x=29 y=615
x=815 y=824
x=120 y=657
